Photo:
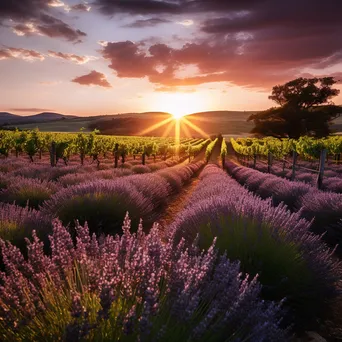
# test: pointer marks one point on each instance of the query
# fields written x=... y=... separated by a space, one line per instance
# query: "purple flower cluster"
x=332 y=180
x=103 y=203
x=134 y=286
x=16 y=223
x=23 y=191
x=324 y=208
x=272 y=241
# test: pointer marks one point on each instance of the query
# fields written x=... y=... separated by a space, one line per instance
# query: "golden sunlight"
x=180 y=104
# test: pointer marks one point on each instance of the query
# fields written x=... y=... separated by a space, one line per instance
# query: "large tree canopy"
x=305 y=109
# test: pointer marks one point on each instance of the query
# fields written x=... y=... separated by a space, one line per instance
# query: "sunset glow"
x=107 y=57
x=181 y=104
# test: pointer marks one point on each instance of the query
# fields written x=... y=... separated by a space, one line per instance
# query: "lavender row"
x=332 y=180
x=15 y=187
x=101 y=203
x=46 y=172
x=292 y=263
x=133 y=288
x=324 y=208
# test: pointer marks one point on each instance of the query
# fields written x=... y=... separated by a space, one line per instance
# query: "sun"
x=181 y=104
x=178 y=115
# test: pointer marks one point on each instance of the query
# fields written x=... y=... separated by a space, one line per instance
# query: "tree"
x=305 y=108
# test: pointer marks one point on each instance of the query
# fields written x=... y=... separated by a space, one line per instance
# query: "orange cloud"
x=18 y=53
x=71 y=57
x=93 y=78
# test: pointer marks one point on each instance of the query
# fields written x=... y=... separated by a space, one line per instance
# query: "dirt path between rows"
x=176 y=204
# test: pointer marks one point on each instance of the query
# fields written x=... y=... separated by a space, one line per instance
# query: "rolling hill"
x=229 y=123
x=11 y=119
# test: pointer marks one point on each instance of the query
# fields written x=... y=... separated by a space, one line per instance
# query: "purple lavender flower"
x=133 y=285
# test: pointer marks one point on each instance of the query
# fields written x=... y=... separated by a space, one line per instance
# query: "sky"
x=115 y=56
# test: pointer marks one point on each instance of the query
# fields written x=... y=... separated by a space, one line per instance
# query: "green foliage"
x=210 y=149
x=307 y=147
x=305 y=109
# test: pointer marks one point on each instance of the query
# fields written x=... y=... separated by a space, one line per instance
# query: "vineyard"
x=315 y=161
x=114 y=238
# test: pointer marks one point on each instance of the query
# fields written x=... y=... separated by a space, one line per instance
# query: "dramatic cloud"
x=216 y=63
x=93 y=78
x=56 y=3
x=29 y=17
x=147 y=23
x=187 y=22
x=252 y=43
x=84 y=7
x=31 y=110
x=71 y=57
x=24 y=54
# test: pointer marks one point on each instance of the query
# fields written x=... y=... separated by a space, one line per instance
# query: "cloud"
x=19 y=53
x=34 y=110
x=141 y=23
x=71 y=57
x=56 y=3
x=251 y=43
x=110 y=7
x=34 y=17
x=174 y=90
x=187 y=22
x=102 y=42
x=83 y=7
x=93 y=78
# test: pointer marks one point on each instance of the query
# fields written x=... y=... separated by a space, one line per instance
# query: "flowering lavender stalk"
x=16 y=223
x=325 y=208
x=29 y=191
x=271 y=241
x=133 y=287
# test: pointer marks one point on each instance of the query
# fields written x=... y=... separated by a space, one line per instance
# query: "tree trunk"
x=53 y=154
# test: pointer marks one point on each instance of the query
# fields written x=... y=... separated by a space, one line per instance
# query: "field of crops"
x=108 y=238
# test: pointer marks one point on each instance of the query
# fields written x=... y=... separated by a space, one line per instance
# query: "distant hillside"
x=229 y=123
x=12 y=119
x=225 y=122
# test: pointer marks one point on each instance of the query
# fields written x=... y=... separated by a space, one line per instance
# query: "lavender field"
x=187 y=247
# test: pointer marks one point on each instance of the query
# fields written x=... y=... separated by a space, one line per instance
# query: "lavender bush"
x=129 y=288
x=101 y=203
x=140 y=169
x=292 y=262
x=324 y=208
x=17 y=223
x=27 y=191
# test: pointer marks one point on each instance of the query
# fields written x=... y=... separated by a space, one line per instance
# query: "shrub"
x=101 y=203
x=126 y=165
x=155 y=167
x=5 y=180
x=291 y=262
x=132 y=288
x=26 y=191
x=173 y=178
x=140 y=169
x=152 y=186
x=17 y=223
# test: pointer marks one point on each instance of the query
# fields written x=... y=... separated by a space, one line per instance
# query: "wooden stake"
x=321 y=169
